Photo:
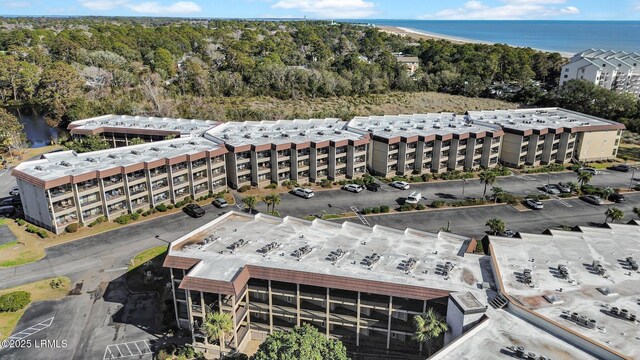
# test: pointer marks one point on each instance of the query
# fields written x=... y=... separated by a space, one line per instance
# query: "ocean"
x=561 y=36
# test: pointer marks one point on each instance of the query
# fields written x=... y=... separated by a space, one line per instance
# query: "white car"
x=413 y=198
x=15 y=191
x=303 y=192
x=533 y=203
x=507 y=233
x=588 y=169
x=353 y=188
x=551 y=189
x=400 y=185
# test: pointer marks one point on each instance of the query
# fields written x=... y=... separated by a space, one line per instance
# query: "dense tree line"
x=87 y=66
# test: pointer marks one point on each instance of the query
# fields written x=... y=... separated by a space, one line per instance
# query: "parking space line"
x=116 y=351
x=31 y=330
x=561 y=201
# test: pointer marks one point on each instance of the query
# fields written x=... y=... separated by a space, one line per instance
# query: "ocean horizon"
x=550 y=35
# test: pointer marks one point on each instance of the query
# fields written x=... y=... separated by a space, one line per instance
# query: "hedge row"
x=14 y=301
x=36 y=230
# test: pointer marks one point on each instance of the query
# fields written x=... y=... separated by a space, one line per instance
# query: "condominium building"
x=65 y=187
x=551 y=135
x=612 y=70
x=118 y=130
x=267 y=152
x=362 y=285
x=420 y=143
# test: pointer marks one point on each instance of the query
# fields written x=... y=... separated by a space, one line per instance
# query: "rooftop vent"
x=284 y=134
x=268 y=248
x=247 y=136
x=336 y=255
x=155 y=148
x=299 y=253
x=136 y=152
x=320 y=132
x=370 y=260
x=420 y=127
x=39 y=168
x=437 y=126
x=408 y=265
x=175 y=146
x=237 y=244
x=337 y=131
x=302 y=133
x=90 y=159
x=113 y=156
x=66 y=164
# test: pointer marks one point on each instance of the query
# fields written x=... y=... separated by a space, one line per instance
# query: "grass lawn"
x=40 y=291
x=29 y=153
x=146 y=273
x=630 y=151
x=145 y=256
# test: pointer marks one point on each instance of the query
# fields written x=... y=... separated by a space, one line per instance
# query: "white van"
x=413 y=198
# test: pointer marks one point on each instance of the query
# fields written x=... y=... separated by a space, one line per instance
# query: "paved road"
x=471 y=221
x=337 y=201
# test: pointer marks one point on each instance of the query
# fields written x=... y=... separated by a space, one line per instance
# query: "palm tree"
x=250 y=201
x=496 y=226
x=429 y=326
x=216 y=326
x=271 y=201
x=584 y=177
x=614 y=214
x=487 y=178
x=497 y=191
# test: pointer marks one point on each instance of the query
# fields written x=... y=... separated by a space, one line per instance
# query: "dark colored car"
x=620 y=167
x=592 y=199
x=7 y=210
x=616 y=198
x=194 y=210
x=373 y=186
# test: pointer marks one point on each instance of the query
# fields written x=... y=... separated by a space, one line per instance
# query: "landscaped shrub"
x=426 y=177
x=399 y=178
x=502 y=171
x=244 y=188
x=420 y=206
x=123 y=219
x=325 y=183
x=14 y=301
x=384 y=209
x=146 y=213
x=56 y=283
x=170 y=206
x=135 y=216
x=35 y=230
x=366 y=211
x=20 y=222
x=437 y=204
x=375 y=210
x=139 y=211
x=161 y=208
x=469 y=202
x=416 y=179
x=507 y=198
x=271 y=186
x=406 y=207
x=71 y=228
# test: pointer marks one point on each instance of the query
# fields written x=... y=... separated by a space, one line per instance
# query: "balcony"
x=284 y=165
x=66 y=219
x=114 y=194
x=179 y=167
x=112 y=180
x=116 y=208
x=161 y=171
x=198 y=164
x=161 y=197
x=178 y=180
x=86 y=186
x=88 y=200
x=90 y=215
x=59 y=192
x=138 y=175
x=200 y=188
x=63 y=205
x=159 y=184
x=140 y=202
x=133 y=190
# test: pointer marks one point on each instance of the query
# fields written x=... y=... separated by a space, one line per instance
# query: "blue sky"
x=335 y=9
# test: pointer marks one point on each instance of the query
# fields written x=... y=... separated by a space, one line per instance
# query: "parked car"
x=402 y=185
x=413 y=198
x=353 y=188
x=7 y=210
x=616 y=198
x=15 y=191
x=507 y=233
x=588 y=169
x=620 y=167
x=6 y=202
x=373 y=186
x=304 y=192
x=592 y=199
x=551 y=189
x=220 y=203
x=563 y=187
x=533 y=203
x=194 y=210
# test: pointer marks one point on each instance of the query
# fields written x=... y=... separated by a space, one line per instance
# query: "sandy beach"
x=423 y=35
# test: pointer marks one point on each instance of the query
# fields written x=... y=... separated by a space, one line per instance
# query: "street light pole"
x=633 y=171
x=548 y=179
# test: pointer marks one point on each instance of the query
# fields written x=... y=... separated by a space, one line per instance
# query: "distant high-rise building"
x=612 y=70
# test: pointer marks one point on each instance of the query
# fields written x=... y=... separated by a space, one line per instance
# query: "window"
x=566 y=76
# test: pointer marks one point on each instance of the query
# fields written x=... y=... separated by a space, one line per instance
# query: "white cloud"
x=151 y=7
x=16 y=4
x=102 y=5
x=329 y=8
x=180 y=7
x=508 y=10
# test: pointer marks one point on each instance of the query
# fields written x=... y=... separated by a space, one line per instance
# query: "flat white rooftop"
x=186 y=127
x=577 y=250
x=394 y=247
x=500 y=333
x=281 y=132
x=544 y=118
x=391 y=126
x=65 y=163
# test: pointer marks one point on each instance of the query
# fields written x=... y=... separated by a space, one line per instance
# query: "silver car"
x=533 y=203
x=592 y=199
x=353 y=188
x=400 y=185
x=551 y=189
x=563 y=187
